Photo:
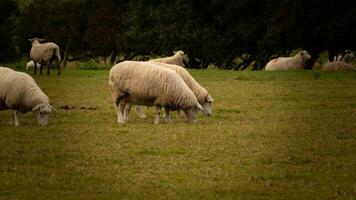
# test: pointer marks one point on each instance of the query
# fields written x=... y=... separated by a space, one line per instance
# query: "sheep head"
x=191 y=112
x=42 y=111
x=36 y=40
x=306 y=56
x=207 y=106
x=180 y=52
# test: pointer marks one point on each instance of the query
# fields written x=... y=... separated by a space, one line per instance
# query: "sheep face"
x=191 y=113
x=42 y=112
x=207 y=106
x=305 y=55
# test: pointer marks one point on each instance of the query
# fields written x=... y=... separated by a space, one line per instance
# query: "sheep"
x=44 y=54
x=201 y=93
x=337 y=66
x=31 y=64
x=176 y=59
x=343 y=65
x=347 y=56
x=296 y=62
x=141 y=83
x=20 y=93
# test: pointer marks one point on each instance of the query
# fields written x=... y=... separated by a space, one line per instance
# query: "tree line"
x=230 y=34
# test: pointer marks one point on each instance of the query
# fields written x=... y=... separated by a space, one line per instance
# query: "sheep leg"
x=127 y=110
x=35 y=66
x=47 y=70
x=167 y=116
x=180 y=114
x=140 y=113
x=120 y=112
x=15 y=118
x=158 y=113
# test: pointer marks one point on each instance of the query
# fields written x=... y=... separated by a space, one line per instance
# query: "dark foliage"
x=8 y=11
x=210 y=31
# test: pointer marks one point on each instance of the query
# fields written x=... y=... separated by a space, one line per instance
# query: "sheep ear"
x=41 y=40
x=36 y=107
x=199 y=106
x=210 y=99
x=53 y=109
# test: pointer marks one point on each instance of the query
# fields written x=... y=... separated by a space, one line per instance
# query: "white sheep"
x=143 y=83
x=201 y=93
x=343 y=65
x=296 y=62
x=44 y=54
x=337 y=66
x=176 y=59
x=20 y=93
x=31 y=64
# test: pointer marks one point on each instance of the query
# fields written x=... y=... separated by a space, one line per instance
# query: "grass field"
x=274 y=135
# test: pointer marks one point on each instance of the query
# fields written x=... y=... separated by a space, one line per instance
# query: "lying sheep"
x=296 y=62
x=31 y=64
x=337 y=66
x=343 y=65
x=201 y=93
x=176 y=59
x=20 y=93
x=44 y=54
x=140 y=83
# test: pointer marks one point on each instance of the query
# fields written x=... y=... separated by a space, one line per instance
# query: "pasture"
x=273 y=135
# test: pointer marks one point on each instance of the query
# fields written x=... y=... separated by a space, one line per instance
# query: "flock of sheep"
x=297 y=62
x=162 y=83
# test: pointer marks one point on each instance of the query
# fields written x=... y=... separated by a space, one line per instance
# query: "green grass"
x=274 y=135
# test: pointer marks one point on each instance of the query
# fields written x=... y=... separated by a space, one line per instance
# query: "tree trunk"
x=314 y=56
x=332 y=54
x=113 y=57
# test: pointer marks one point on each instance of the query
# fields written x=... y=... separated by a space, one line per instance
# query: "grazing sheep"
x=44 y=54
x=296 y=62
x=31 y=64
x=20 y=93
x=144 y=83
x=201 y=93
x=342 y=65
x=176 y=59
